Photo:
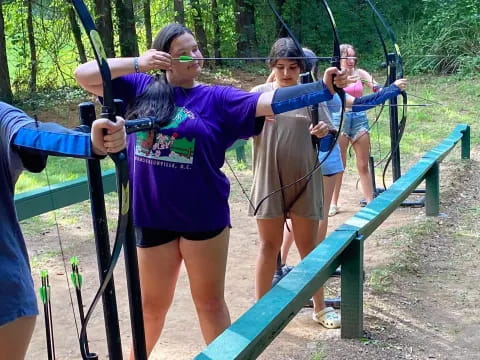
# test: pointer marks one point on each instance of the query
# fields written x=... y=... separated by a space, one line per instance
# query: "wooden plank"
x=45 y=199
x=247 y=337
x=371 y=216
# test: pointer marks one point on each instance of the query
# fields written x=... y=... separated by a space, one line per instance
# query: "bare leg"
x=15 y=338
x=343 y=142
x=287 y=241
x=329 y=183
x=271 y=235
x=305 y=233
x=206 y=263
x=159 y=268
x=362 y=153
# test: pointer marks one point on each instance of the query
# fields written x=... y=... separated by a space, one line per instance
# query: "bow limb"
x=398 y=60
x=335 y=62
x=120 y=160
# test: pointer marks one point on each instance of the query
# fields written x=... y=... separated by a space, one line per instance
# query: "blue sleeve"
x=54 y=139
x=370 y=101
x=299 y=96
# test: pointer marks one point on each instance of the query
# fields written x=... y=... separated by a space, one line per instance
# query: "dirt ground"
x=421 y=292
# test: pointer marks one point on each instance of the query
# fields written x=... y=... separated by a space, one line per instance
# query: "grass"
x=405 y=241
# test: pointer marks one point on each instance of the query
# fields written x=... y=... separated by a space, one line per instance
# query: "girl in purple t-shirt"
x=180 y=195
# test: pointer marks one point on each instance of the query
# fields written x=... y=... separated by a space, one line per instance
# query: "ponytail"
x=156 y=101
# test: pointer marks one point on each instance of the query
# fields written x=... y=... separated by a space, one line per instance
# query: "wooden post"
x=432 y=191
x=352 y=290
x=466 y=143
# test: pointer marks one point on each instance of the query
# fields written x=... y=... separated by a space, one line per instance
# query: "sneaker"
x=333 y=210
x=280 y=273
x=328 y=318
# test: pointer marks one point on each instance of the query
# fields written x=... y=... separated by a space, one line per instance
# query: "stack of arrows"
x=47 y=309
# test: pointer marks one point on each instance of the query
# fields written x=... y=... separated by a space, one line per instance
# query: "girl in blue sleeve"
x=25 y=145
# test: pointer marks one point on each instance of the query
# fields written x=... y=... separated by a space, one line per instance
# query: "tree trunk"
x=77 y=34
x=32 y=84
x=216 y=32
x=148 y=23
x=103 y=22
x=126 y=28
x=179 y=11
x=198 y=25
x=5 y=87
x=245 y=28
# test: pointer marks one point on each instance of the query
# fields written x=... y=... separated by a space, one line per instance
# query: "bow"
x=335 y=62
x=120 y=160
x=392 y=60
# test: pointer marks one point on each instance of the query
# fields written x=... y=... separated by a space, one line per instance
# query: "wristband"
x=136 y=66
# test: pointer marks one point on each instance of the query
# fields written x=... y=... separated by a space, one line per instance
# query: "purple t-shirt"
x=175 y=172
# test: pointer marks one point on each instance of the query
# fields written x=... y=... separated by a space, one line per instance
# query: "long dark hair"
x=157 y=100
x=285 y=48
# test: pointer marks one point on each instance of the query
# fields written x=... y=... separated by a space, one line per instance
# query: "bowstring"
x=62 y=252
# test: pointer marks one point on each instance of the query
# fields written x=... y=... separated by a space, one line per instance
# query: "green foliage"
x=49 y=98
x=447 y=38
x=439 y=36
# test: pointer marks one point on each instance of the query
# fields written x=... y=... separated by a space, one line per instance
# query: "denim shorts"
x=354 y=123
x=333 y=164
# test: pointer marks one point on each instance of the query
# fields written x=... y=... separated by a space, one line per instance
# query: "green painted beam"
x=255 y=329
x=45 y=199
x=432 y=186
x=352 y=290
x=247 y=337
x=371 y=216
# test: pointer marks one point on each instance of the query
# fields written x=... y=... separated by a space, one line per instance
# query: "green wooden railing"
x=248 y=336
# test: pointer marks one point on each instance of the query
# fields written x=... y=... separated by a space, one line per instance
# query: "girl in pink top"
x=355 y=128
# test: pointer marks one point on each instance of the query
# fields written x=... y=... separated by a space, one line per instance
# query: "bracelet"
x=136 y=65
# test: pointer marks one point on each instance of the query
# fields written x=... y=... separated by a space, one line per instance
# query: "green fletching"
x=77 y=280
x=74 y=260
x=185 y=58
x=73 y=278
x=43 y=294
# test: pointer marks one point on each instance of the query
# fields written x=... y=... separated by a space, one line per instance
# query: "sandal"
x=333 y=210
x=327 y=317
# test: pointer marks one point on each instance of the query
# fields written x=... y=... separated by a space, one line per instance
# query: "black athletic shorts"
x=148 y=237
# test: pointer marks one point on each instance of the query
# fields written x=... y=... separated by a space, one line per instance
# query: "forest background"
x=41 y=41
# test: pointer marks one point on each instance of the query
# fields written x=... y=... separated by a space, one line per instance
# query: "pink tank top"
x=356 y=89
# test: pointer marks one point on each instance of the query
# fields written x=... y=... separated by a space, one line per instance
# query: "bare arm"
x=88 y=74
x=367 y=78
